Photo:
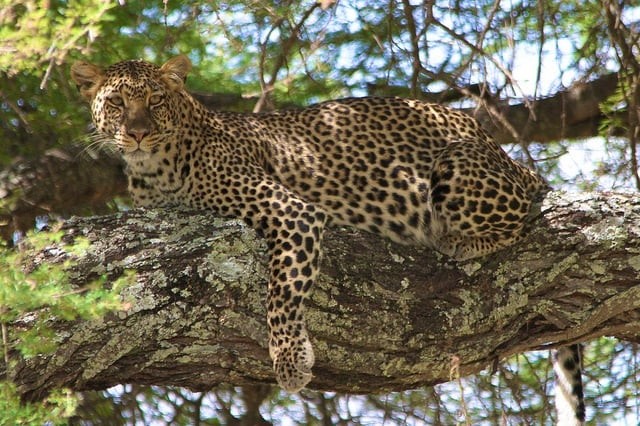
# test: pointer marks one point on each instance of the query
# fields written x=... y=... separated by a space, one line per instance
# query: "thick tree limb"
x=382 y=317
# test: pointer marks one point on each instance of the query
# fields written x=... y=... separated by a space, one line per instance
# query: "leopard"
x=414 y=172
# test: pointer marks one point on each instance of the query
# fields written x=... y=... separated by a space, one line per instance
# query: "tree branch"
x=62 y=181
x=382 y=317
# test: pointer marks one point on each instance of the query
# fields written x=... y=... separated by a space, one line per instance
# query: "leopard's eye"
x=115 y=99
x=155 y=99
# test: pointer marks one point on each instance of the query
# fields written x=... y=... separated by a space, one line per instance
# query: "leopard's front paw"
x=292 y=365
x=465 y=248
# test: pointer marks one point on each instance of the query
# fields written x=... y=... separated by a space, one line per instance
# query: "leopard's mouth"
x=136 y=155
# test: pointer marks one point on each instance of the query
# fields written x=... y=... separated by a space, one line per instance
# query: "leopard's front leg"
x=293 y=229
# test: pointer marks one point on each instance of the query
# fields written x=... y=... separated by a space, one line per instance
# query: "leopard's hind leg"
x=480 y=199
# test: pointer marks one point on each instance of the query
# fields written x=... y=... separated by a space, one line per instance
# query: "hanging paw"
x=292 y=364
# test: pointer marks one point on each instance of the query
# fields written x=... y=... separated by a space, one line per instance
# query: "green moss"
x=563 y=266
x=634 y=262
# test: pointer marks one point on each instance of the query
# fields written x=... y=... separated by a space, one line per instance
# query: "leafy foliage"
x=48 y=288
x=29 y=303
x=55 y=410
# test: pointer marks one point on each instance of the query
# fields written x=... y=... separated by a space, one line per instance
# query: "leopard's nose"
x=138 y=134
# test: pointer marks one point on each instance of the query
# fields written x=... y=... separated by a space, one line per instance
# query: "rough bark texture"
x=382 y=317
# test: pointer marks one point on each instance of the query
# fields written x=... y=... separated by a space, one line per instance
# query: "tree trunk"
x=382 y=317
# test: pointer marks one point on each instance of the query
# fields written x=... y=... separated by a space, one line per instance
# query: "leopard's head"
x=135 y=105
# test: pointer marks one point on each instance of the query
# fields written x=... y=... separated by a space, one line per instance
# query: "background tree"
x=557 y=82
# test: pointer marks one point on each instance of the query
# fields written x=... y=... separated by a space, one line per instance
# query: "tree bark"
x=382 y=317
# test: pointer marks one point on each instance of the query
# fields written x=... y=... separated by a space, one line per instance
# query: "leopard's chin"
x=137 y=155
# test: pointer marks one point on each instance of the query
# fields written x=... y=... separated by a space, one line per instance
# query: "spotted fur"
x=414 y=172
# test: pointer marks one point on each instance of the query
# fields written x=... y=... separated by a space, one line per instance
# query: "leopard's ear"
x=175 y=70
x=88 y=78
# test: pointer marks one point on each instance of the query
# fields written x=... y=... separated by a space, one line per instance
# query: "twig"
x=454 y=374
x=416 y=64
x=287 y=45
x=5 y=344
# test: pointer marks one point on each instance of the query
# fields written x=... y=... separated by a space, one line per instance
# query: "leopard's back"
x=409 y=170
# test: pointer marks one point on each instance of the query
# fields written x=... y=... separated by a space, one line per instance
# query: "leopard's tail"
x=569 y=393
